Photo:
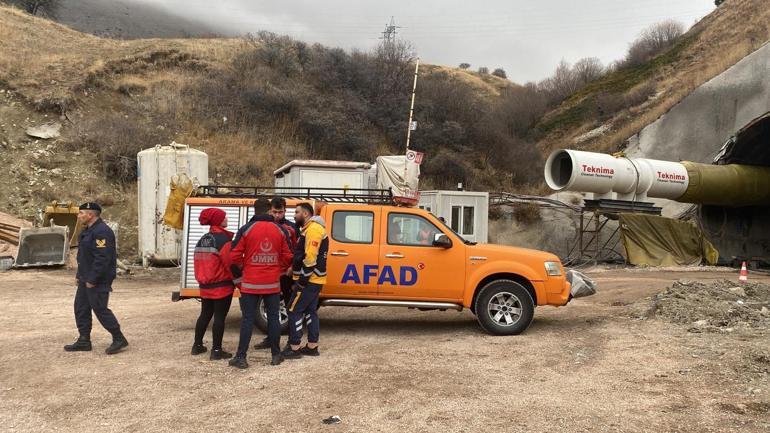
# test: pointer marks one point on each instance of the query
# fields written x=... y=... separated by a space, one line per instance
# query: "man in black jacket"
x=97 y=260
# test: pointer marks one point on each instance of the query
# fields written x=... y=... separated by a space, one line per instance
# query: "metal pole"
x=411 y=107
x=598 y=232
x=409 y=125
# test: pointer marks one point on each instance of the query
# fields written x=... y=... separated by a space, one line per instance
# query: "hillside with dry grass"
x=718 y=41
x=251 y=104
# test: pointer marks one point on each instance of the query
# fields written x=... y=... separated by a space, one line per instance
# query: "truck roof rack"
x=329 y=195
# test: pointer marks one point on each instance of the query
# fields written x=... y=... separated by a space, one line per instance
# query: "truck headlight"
x=553 y=269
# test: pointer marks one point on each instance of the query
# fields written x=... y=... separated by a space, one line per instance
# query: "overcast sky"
x=525 y=37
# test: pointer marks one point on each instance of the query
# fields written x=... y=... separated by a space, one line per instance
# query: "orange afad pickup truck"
x=386 y=255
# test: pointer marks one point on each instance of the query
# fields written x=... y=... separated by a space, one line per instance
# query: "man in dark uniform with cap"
x=97 y=260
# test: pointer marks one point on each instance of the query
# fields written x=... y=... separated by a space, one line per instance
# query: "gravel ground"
x=591 y=366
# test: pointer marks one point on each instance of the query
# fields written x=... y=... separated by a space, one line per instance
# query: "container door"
x=464 y=217
x=353 y=251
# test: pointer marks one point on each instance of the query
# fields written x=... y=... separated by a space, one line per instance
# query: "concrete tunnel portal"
x=742 y=233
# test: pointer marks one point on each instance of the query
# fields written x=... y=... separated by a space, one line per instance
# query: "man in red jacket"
x=260 y=252
x=278 y=211
x=212 y=270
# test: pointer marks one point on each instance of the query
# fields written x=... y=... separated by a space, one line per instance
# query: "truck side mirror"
x=442 y=240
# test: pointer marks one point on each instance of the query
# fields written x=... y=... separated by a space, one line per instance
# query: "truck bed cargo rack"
x=328 y=195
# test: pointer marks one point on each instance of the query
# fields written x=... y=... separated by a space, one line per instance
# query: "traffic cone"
x=744 y=278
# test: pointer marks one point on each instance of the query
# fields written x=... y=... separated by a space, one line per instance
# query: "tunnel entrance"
x=742 y=233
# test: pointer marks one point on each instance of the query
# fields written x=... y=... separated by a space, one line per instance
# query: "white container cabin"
x=466 y=212
x=159 y=244
x=325 y=174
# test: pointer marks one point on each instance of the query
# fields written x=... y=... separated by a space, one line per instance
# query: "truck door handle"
x=340 y=253
x=394 y=256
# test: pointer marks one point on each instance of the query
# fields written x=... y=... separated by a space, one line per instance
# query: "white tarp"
x=398 y=173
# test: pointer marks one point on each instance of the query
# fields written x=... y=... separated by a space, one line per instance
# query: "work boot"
x=288 y=353
x=217 y=354
x=197 y=349
x=277 y=359
x=239 y=362
x=306 y=351
x=264 y=344
x=119 y=343
x=83 y=344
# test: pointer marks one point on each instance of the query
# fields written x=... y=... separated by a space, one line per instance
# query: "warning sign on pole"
x=413 y=125
x=415 y=157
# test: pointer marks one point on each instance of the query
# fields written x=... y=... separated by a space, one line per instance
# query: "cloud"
x=526 y=38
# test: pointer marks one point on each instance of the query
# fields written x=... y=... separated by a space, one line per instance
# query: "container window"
x=468 y=220
x=455 y=223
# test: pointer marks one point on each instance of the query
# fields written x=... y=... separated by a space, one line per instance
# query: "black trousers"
x=286 y=294
x=248 y=315
x=304 y=310
x=286 y=283
x=96 y=300
x=218 y=309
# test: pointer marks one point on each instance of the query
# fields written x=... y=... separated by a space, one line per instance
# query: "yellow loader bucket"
x=64 y=214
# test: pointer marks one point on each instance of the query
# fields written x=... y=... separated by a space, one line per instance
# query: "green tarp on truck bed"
x=659 y=241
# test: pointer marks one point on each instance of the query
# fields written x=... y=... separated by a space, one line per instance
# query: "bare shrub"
x=105 y=199
x=56 y=160
x=653 y=41
x=588 y=69
x=447 y=170
x=609 y=104
x=640 y=94
x=37 y=7
x=483 y=70
x=131 y=86
x=526 y=213
x=281 y=53
x=526 y=164
x=520 y=108
x=116 y=139
x=393 y=66
x=568 y=79
x=561 y=84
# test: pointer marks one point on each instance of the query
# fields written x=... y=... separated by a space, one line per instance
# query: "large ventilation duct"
x=636 y=179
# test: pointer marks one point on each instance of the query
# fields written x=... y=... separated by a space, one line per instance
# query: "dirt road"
x=591 y=366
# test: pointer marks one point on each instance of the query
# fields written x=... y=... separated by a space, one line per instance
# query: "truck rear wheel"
x=283 y=314
x=504 y=307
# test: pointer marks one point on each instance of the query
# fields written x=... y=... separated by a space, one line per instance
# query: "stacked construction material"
x=9 y=234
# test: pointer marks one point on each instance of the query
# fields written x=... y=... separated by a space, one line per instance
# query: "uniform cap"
x=212 y=216
x=91 y=206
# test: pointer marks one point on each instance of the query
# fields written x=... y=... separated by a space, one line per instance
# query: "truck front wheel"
x=504 y=307
x=261 y=320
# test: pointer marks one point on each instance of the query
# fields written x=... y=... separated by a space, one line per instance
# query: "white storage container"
x=159 y=244
x=323 y=174
x=466 y=212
